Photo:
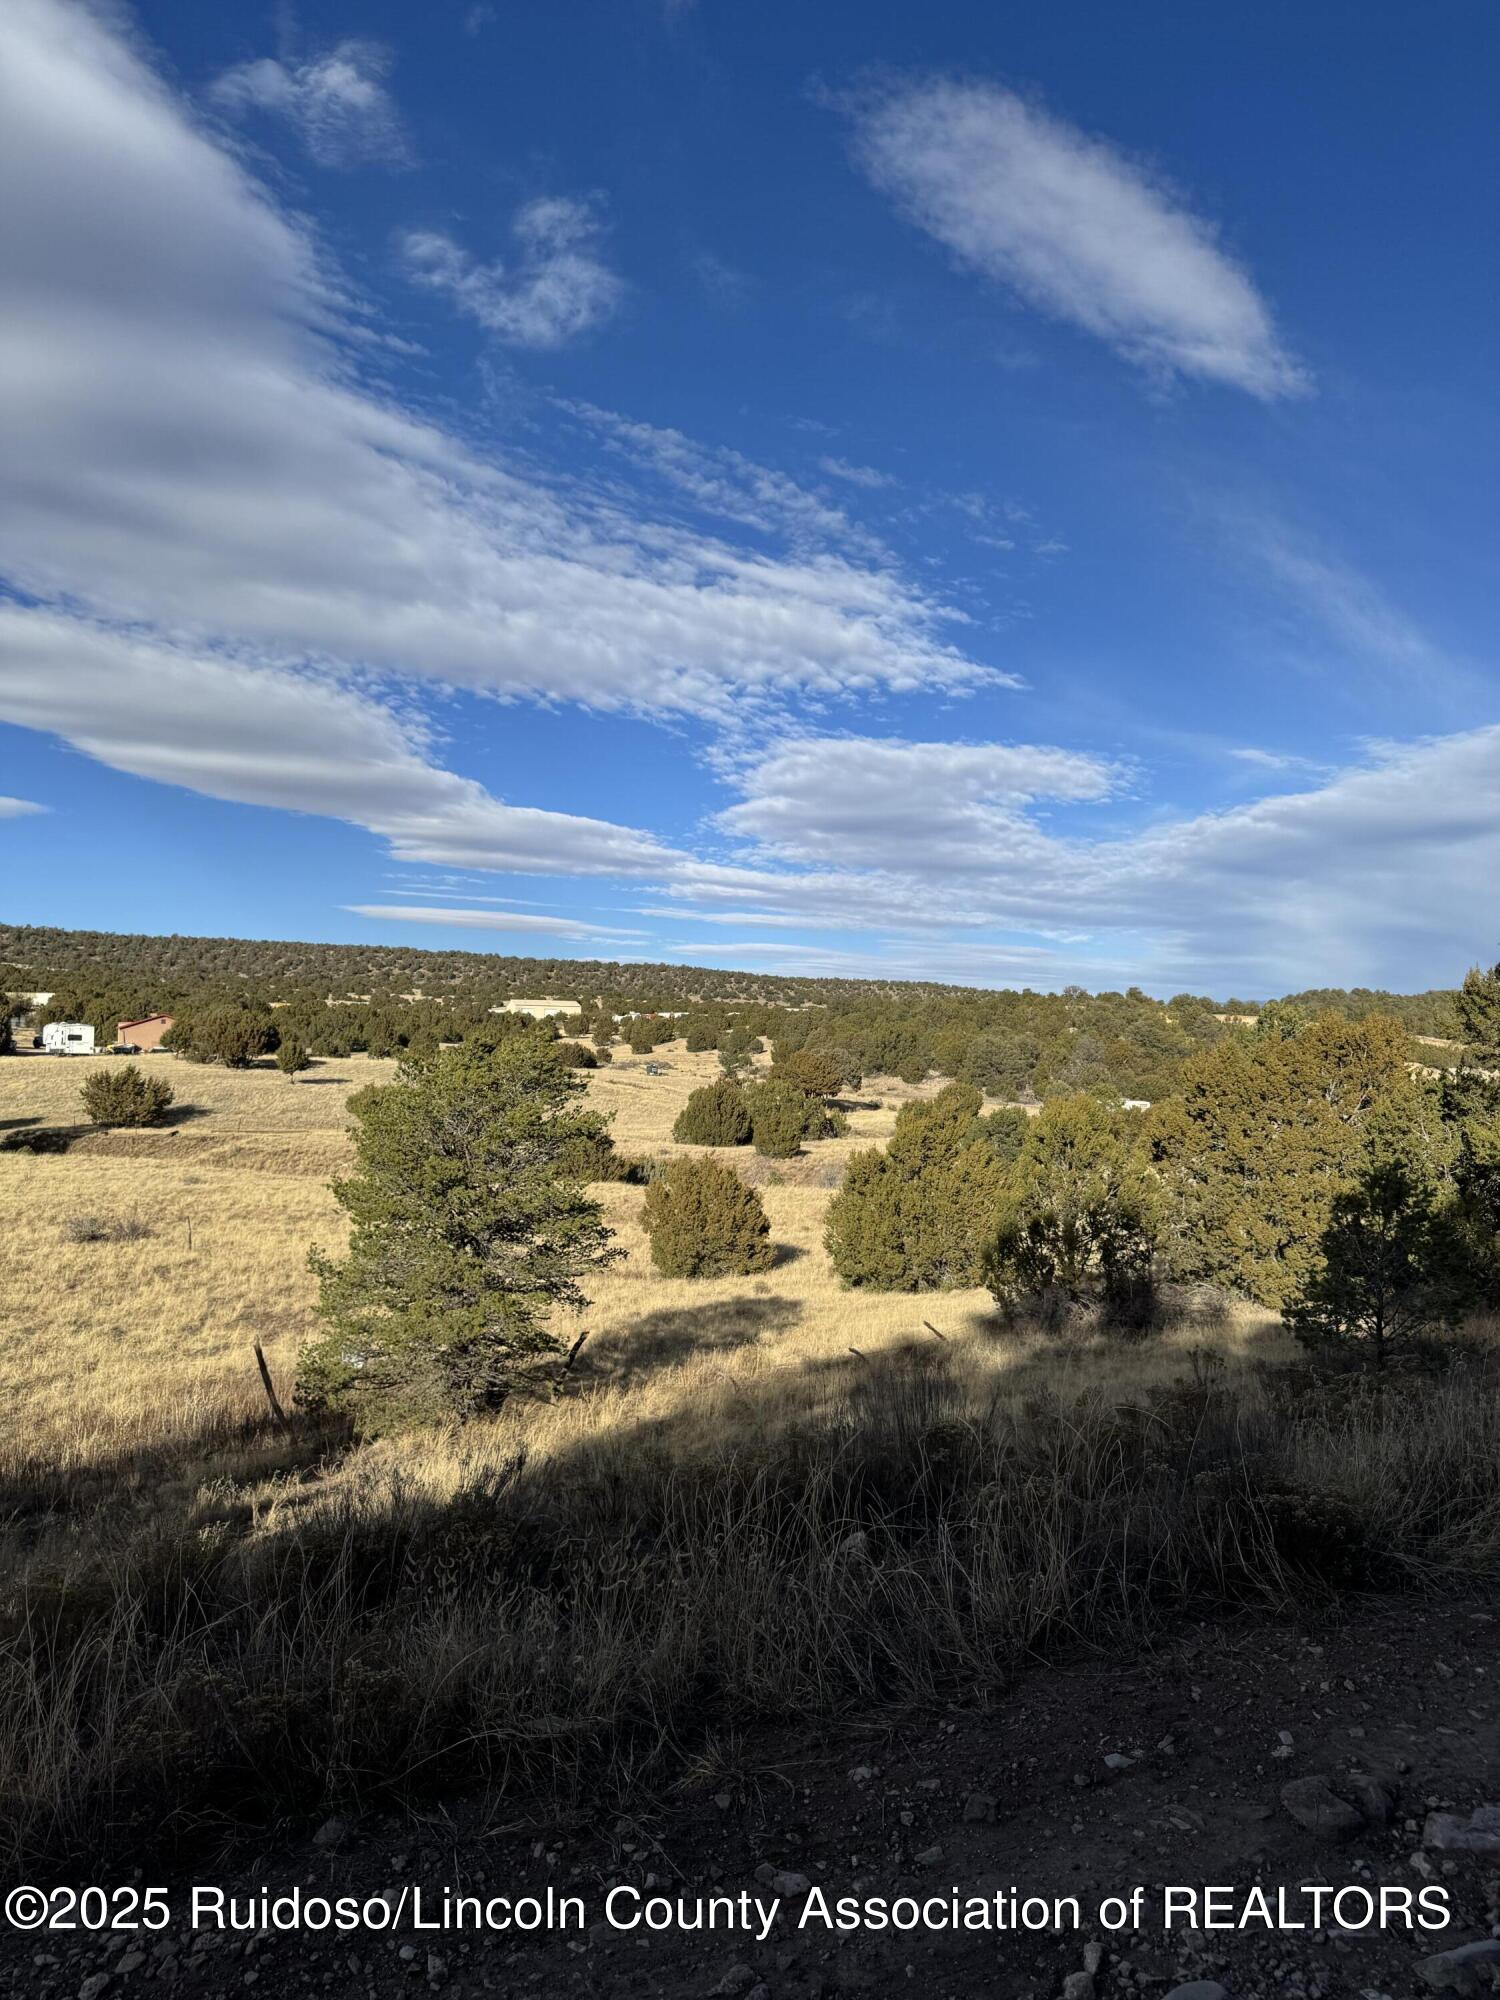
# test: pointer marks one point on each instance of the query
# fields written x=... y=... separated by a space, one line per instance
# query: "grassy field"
x=151 y=1335
x=752 y=1500
x=133 y=1339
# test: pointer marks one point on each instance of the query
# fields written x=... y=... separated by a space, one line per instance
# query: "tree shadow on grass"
x=567 y=1628
x=136 y=1480
x=658 y=1340
x=40 y=1138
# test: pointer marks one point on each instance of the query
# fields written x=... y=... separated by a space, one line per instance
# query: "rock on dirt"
x=1466 y=1969
x=1478 y=1834
x=736 y=1979
x=1313 y=1803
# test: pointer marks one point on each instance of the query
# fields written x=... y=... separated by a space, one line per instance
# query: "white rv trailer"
x=68 y=1038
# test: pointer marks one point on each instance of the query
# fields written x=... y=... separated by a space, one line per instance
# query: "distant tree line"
x=387 y=1000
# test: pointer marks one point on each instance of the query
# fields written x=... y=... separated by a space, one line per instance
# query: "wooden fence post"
x=270 y=1388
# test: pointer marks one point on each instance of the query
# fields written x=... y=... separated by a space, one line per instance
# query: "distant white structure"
x=68 y=1038
x=1135 y=1103
x=539 y=1010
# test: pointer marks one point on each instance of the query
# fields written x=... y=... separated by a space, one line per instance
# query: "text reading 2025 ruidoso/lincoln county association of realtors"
x=1306 y=1907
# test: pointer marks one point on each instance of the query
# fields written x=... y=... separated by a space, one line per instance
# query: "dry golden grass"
x=115 y=1343
x=211 y=1102
x=761 y=1498
x=135 y=1342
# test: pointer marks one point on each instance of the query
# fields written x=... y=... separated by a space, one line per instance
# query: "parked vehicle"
x=68 y=1038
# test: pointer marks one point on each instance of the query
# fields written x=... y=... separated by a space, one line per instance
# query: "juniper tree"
x=1003 y=1130
x=1080 y=1214
x=233 y=1036
x=781 y=1116
x=1477 y=1006
x=934 y=1129
x=468 y=1232
x=915 y=1216
x=576 y=1055
x=594 y=1156
x=736 y=1048
x=704 y=1222
x=1002 y=1065
x=819 y=1072
x=715 y=1115
x=292 y=1058
x=1470 y=1098
x=125 y=1096
x=1390 y=1270
x=1268 y=1129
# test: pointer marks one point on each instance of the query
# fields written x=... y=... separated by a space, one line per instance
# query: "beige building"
x=145 y=1033
x=540 y=1010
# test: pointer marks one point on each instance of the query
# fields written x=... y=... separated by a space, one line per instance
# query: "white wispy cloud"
x=488 y=920
x=435 y=886
x=1334 y=597
x=336 y=102
x=297 y=741
x=1074 y=227
x=856 y=475
x=557 y=287
x=1354 y=879
x=19 y=808
x=730 y=486
x=878 y=802
x=1275 y=760
x=229 y=479
x=722 y=283
x=773 y=919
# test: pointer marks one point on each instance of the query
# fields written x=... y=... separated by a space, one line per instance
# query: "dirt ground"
x=1019 y=1795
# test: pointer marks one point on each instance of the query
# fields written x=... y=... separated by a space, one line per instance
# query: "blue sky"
x=991 y=494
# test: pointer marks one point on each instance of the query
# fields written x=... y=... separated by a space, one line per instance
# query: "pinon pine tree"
x=469 y=1232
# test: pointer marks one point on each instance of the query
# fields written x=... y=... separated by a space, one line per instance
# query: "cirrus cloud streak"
x=1074 y=227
